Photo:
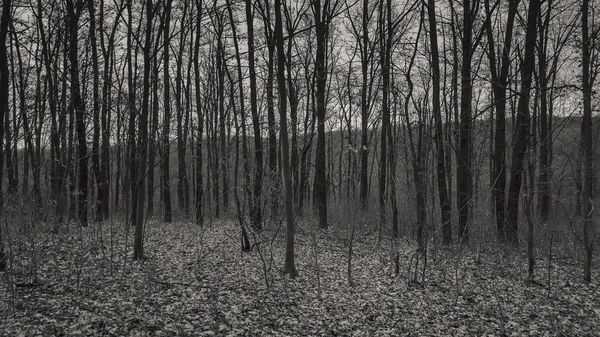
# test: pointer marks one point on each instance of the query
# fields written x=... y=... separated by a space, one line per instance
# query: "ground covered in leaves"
x=197 y=282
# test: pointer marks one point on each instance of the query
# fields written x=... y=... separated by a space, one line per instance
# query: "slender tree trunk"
x=182 y=178
x=74 y=12
x=464 y=175
x=98 y=174
x=4 y=87
x=138 y=243
x=200 y=117
x=446 y=211
x=522 y=126
x=166 y=162
x=499 y=83
x=290 y=265
x=256 y=211
x=152 y=140
x=364 y=107
x=545 y=141
x=132 y=158
x=589 y=178
x=322 y=28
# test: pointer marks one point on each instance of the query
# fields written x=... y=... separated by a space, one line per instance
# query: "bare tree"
x=74 y=11
x=4 y=91
x=521 y=130
x=256 y=211
x=587 y=141
x=166 y=162
x=445 y=207
x=499 y=82
x=290 y=265
x=138 y=246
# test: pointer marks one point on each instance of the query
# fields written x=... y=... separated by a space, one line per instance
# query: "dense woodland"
x=438 y=126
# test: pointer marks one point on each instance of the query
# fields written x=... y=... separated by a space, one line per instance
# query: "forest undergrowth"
x=197 y=282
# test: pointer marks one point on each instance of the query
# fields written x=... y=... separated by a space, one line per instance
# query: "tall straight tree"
x=4 y=90
x=322 y=13
x=166 y=163
x=385 y=41
x=57 y=171
x=290 y=265
x=98 y=174
x=74 y=12
x=183 y=186
x=499 y=84
x=200 y=118
x=439 y=131
x=366 y=54
x=587 y=141
x=464 y=169
x=521 y=130
x=272 y=130
x=138 y=243
x=256 y=211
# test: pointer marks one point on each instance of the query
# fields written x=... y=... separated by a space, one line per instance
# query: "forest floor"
x=197 y=282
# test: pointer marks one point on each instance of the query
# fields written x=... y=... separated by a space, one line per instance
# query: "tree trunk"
x=200 y=116
x=446 y=211
x=74 y=12
x=256 y=211
x=322 y=16
x=182 y=178
x=166 y=162
x=138 y=244
x=4 y=87
x=521 y=126
x=589 y=179
x=464 y=173
x=290 y=265
x=499 y=82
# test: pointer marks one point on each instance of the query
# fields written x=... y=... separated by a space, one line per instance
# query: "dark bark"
x=290 y=265
x=322 y=16
x=182 y=178
x=98 y=170
x=256 y=211
x=521 y=126
x=545 y=139
x=464 y=173
x=385 y=38
x=588 y=163
x=74 y=12
x=166 y=162
x=364 y=108
x=131 y=136
x=4 y=91
x=152 y=139
x=138 y=243
x=200 y=117
x=499 y=86
x=446 y=211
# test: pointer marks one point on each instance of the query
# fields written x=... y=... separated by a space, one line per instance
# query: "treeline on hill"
x=451 y=120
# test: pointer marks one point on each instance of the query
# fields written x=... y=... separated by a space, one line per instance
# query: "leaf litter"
x=197 y=282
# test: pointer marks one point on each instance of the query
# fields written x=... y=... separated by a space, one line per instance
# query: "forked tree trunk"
x=521 y=126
